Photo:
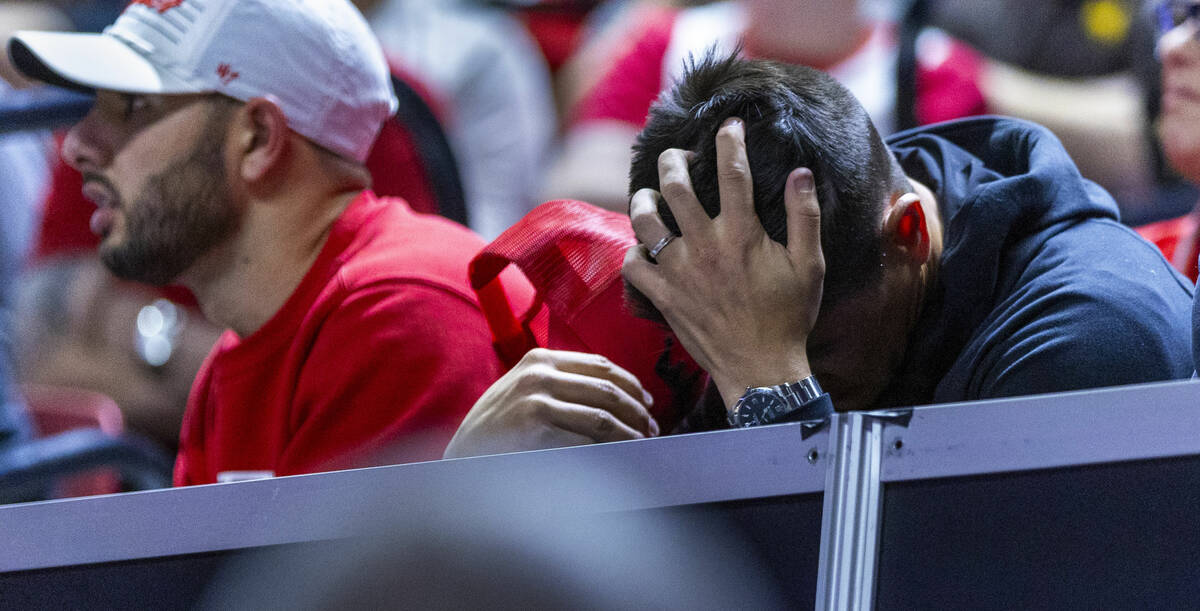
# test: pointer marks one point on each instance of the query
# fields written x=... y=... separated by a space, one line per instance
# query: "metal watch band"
x=797 y=396
x=804 y=391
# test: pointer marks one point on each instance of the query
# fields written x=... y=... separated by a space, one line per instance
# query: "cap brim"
x=86 y=62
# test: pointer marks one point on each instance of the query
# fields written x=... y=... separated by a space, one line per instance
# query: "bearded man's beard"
x=181 y=214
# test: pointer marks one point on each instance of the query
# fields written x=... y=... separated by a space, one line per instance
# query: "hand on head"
x=742 y=304
x=553 y=399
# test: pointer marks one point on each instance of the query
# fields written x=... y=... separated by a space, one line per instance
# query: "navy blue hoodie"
x=1040 y=288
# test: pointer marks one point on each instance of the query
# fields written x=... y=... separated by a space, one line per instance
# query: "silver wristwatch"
x=803 y=400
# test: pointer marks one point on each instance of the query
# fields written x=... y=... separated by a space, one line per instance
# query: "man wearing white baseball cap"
x=225 y=152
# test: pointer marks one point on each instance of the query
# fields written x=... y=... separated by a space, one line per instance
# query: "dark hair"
x=795 y=117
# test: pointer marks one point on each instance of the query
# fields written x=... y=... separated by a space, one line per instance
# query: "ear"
x=262 y=139
x=905 y=229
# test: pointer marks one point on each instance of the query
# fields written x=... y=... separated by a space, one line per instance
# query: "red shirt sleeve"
x=389 y=379
x=634 y=79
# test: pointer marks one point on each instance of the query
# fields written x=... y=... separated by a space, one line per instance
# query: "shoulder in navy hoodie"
x=1040 y=288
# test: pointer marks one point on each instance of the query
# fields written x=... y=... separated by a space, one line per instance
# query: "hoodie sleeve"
x=1117 y=315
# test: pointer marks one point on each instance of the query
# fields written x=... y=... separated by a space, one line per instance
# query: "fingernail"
x=803 y=182
x=731 y=121
x=653 y=428
x=647 y=398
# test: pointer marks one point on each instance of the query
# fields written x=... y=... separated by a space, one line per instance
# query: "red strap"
x=570 y=251
x=511 y=337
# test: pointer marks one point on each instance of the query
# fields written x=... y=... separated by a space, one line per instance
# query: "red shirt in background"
x=382 y=348
x=556 y=30
x=947 y=79
x=1178 y=240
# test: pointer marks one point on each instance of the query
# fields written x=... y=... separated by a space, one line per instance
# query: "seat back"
x=58 y=410
x=413 y=158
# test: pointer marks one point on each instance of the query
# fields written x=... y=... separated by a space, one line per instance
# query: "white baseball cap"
x=317 y=59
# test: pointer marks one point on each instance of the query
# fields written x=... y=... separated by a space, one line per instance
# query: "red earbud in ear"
x=913 y=232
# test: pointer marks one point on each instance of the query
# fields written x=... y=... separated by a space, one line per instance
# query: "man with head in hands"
x=802 y=261
x=957 y=262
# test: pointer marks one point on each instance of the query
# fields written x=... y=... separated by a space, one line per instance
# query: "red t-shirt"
x=382 y=347
x=948 y=72
x=1178 y=239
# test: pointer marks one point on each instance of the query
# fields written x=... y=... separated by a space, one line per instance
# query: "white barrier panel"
x=59 y=551
x=920 y=508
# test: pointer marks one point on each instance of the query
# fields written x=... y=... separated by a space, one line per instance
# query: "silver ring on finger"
x=661 y=245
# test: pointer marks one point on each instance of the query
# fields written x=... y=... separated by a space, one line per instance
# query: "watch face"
x=760 y=406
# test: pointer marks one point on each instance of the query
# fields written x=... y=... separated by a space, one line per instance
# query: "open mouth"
x=99 y=192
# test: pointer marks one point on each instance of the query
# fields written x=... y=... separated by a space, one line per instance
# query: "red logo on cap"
x=161 y=6
x=226 y=74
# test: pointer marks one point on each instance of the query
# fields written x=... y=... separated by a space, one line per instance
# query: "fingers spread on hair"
x=803 y=212
x=676 y=185
x=643 y=214
x=734 y=180
x=647 y=277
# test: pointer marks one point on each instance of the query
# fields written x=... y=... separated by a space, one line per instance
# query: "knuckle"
x=534 y=379
x=643 y=223
x=734 y=171
x=601 y=361
x=644 y=196
x=667 y=156
x=608 y=390
x=642 y=204
x=674 y=189
x=603 y=423
x=537 y=355
x=539 y=406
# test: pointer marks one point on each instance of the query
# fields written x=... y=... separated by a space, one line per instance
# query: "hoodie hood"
x=998 y=180
x=1003 y=187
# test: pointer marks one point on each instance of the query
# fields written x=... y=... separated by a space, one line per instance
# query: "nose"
x=83 y=148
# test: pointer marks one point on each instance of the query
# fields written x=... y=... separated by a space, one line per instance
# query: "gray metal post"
x=850 y=524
